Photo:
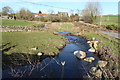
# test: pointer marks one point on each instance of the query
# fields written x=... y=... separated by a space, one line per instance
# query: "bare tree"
x=91 y=12
x=25 y=14
x=21 y=14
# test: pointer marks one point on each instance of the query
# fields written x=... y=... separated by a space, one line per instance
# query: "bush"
x=42 y=19
x=55 y=19
x=52 y=18
x=24 y=14
x=112 y=27
x=64 y=19
x=74 y=17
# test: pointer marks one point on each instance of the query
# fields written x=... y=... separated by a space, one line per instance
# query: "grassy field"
x=109 y=20
x=22 y=42
x=40 y=40
x=6 y=22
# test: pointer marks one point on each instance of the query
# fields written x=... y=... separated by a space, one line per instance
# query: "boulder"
x=96 y=72
x=91 y=50
x=90 y=43
x=93 y=45
x=93 y=69
x=80 y=54
x=89 y=59
x=102 y=63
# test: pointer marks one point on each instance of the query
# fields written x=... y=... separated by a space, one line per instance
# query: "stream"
x=52 y=68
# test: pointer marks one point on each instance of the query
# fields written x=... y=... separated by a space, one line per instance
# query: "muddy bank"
x=112 y=68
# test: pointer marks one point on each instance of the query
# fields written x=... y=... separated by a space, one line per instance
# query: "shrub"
x=63 y=19
x=24 y=14
x=74 y=17
x=112 y=27
x=55 y=19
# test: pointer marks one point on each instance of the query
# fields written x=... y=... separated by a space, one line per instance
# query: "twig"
x=45 y=66
x=23 y=73
x=56 y=61
x=86 y=71
x=28 y=59
x=33 y=67
x=17 y=73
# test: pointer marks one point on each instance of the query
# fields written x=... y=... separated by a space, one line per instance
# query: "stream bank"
x=50 y=67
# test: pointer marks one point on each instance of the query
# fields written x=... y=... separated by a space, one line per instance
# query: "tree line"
x=91 y=14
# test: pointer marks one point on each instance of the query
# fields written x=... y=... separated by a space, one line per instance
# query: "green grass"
x=24 y=41
x=65 y=25
x=6 y=22
x=109 y=20
x=105 y=42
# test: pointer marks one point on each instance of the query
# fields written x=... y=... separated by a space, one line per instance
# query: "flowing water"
x=51 y=67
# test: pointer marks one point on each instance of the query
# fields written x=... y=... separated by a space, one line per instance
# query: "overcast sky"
x=107 y=6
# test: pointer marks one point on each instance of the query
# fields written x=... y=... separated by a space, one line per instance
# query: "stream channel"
x=52 y=68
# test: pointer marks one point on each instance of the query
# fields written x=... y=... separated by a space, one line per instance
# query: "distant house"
x=40 y=15
x=4 y=17
x=61 y=14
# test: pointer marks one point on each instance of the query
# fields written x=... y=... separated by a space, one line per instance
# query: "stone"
x=56 y=33
x=91 y=50
x=93 y=38
x=95 y=44
x=63 y=63
x=102 y=63
x=96 y=72
x=33 y=48
x=89 y=59
x=93 y=70
x=80 y=54
x=90 y=44
x=40 y=54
